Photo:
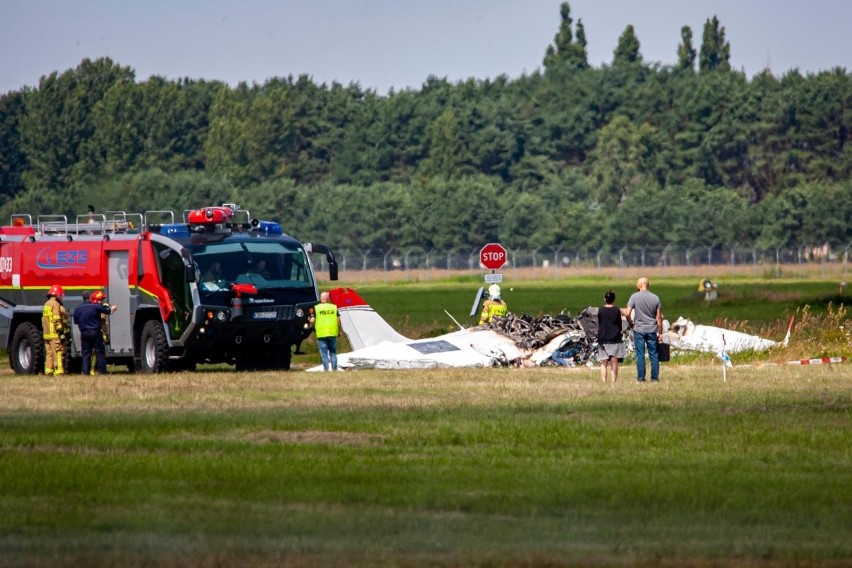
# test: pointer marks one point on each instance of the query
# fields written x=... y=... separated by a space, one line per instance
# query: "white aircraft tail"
x=786 y=341
x=362 y=324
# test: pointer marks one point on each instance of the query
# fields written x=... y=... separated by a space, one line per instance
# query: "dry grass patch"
x=412 y=389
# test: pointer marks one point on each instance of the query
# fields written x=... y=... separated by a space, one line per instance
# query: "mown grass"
x=493 y=467
x=498 y=467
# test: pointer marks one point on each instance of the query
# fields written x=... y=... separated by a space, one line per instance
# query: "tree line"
x=630 y=152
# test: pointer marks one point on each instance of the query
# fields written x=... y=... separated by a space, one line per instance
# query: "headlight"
x=300 y=313
x=222 y=316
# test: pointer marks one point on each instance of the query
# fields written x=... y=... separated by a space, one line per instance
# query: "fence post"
x=799 y=259
x=754 y=260
x=710 y=253
x=778 y=261
x=474 y=254
x=556 y=255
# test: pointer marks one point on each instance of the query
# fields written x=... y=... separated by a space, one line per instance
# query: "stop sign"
x=492 y=256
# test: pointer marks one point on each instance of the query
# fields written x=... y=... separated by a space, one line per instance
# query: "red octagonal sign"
x=492 y=256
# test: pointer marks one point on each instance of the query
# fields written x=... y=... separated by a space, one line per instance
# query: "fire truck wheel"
x=26 y=356
x=155 y=355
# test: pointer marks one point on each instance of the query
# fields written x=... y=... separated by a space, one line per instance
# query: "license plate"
x=265 y=315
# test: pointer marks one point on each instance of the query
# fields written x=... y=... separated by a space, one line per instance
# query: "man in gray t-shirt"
x=644 y=309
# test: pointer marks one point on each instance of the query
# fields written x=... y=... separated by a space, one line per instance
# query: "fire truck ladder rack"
x=110 y=223
x=121 y=222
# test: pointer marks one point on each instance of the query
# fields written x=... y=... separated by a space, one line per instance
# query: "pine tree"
x=685 y=52
x=564 y=50
x=627 y=51
x=715 y=51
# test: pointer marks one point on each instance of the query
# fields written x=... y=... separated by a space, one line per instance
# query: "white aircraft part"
x=465 y=348
x=684 y=334
x=365 y=327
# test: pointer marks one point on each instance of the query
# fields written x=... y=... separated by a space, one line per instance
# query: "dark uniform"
x=88 y=319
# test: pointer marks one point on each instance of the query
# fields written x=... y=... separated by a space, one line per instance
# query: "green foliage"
x=565 y=51
x=627 y=51
x=569 y=157
x=715 y=50
x=685 y=52
x=58 y=122
x=12 y=155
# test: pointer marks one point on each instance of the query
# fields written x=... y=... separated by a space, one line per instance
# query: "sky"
x=398 y=44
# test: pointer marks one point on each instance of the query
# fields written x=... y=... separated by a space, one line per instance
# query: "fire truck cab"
x=216 y=287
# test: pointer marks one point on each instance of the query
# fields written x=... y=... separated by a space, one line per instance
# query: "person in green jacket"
x=326 y=323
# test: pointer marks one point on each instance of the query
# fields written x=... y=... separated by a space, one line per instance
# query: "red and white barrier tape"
x=819 y=361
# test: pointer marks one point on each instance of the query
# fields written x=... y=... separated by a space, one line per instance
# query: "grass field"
x=490 y=467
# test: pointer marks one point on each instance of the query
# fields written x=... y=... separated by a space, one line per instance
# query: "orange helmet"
x=98 y=297
x=56 y=290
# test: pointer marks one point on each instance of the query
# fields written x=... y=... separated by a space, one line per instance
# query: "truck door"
x=118 y=292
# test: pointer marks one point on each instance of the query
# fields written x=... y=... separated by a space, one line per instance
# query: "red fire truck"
x=217 y=287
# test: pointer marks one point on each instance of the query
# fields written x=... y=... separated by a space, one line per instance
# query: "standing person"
x=326 y=323
x=54 y=323
x=645 y=310
x=98 y=297
x=88 y=318
x=611 y=350
x=494 y=306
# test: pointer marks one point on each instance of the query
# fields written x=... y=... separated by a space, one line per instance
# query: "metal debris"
x=578 y=345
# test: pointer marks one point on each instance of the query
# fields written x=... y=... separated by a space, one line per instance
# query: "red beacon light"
x=210 y=216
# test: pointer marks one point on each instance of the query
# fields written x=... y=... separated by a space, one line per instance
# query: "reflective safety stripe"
x=492 y=308
x=497 y=310
x=47 y=321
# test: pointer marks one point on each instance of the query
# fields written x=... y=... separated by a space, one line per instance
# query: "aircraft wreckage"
x=520 y=341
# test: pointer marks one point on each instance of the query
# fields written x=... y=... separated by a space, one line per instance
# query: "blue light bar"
x=174 y=231
x=270 y=228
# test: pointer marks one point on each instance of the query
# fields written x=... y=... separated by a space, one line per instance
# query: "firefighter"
x=54 y=322
x=493 y=306
x=89 y=318
x=98 y=297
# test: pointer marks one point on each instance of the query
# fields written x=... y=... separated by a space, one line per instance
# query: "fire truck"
x=218 y=286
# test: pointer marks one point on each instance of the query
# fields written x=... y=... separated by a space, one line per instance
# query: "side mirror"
x=188 y=266
x=329 y=257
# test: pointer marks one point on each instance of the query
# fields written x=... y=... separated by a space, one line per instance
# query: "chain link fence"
x=561 y=261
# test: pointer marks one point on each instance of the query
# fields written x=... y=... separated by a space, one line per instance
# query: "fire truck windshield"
x=267 y=265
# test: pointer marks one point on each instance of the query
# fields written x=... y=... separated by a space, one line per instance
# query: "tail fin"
x=363 y=325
